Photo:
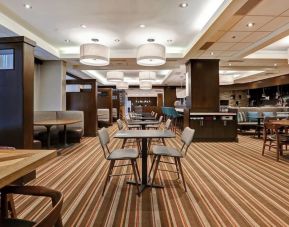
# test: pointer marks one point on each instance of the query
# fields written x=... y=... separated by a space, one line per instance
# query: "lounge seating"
x=74 y=132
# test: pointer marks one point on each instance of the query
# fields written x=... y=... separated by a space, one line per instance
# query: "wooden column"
x=203 y=82
x=170 y=96
x=16 y=94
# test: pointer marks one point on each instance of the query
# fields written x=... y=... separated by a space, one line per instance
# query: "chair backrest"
x=156 y=115
x=187 y=138
x=104 y=140
x=161 y=119
x=168 y=124
x=120 y=124
x=152 y=113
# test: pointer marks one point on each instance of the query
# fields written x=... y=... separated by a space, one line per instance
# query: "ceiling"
x=208 y=29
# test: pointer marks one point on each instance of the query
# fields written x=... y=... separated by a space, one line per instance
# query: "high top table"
x=49 y=123
x=144 y=135
x=17 y=163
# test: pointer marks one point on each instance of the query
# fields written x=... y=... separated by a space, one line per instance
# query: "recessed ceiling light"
x=212 y=53
x=67 y=40
x=27 y=6
x=150 y=40
x=250 y=25
x=275 y=64
x=94 y=40
x=83 y=26
x=142 y=25
x=184 y=5
x=117 y=40
x=169 y=41
x=230 y=64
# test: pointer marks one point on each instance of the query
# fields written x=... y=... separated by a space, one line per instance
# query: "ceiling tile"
x=217 y=35
x=275 y=24
x=221 y=46
x=270 y=8
x=255 y=36
x=228 y=37
x=207 y=54
x=227 y=53
x=258 y=21
x=240 y=46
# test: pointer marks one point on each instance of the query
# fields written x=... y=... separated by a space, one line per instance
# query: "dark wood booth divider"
x=85 y=100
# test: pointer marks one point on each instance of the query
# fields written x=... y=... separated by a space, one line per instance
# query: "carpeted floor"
x=229 y=184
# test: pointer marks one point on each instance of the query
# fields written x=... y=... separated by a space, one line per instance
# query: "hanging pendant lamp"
x=94 y=54
x=151 y=54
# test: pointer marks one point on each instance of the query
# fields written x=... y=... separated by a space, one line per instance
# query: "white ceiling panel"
x=258 y=21
x=278 y=22
x=270 y=7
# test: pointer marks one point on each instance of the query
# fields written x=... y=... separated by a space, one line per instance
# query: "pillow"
x=241 y=117
x=252 y=116
x=268 y=114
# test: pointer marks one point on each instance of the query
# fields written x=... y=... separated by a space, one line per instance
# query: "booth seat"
x=103 y=115
x=74 y=132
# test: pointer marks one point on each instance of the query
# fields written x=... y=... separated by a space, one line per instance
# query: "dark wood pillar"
x=16 y=94
x=170 y=96
x=203 y=83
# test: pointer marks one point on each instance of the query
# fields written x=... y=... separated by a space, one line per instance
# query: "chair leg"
x=135 y=174
x=182 y=174
x=108 y=175
x=153 y=162
x=123 y=143
x=263 y=149
x=156 y=168
x=137 y=170
x=176 y=163
x=11 y=206
x=164 y=142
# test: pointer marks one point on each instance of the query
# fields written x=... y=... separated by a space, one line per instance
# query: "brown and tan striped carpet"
x=229 y=184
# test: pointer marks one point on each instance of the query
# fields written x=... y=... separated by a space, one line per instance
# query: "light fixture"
x=94 y=54
x=122 y=85
x=230 y=64
x=169 y=41
x=250 y=25
x=212 y=53
x=142 y=25
x=151 y=54
x=184 y=5
x=275 y=65
x=147 y=76
x=114 y=76
x=117 y=40
x=67 y=40
x=27 y=6
x=83 y=26
x=145 y=85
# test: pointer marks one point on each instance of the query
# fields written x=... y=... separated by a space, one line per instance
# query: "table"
x=144 y=135
x=145 y=118
x=258 y=128
x=17 y=163
x=142 y=123
x=49 y=123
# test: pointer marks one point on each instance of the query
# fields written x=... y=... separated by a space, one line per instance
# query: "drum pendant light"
x=94 y=54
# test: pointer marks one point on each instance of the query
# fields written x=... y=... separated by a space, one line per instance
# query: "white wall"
x=50 y=86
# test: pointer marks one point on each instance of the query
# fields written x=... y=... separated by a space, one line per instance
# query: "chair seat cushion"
x=16 y=223
x=166 y=151
x=123 y=154
x=152 y=126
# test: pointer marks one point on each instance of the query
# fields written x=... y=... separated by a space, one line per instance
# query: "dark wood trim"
x=75 y=77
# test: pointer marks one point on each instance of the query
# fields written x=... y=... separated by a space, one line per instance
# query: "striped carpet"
x=229 y=184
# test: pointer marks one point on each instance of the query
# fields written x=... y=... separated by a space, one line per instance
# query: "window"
x=7 y=59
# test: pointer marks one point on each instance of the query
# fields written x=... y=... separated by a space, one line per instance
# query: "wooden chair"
x=53 y=218
x=118 y=155
x=272 y=138
x=164 y=151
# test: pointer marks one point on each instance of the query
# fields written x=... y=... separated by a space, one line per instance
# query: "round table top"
x=55 y=122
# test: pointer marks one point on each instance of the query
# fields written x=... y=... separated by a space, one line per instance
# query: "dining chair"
x=130 y=127
x=272 y=138
x=156 y=126
x=164 y=151
x=121 y=126
x=167 y=126
x=52 y=218
x=156 y=115
x=129 y=154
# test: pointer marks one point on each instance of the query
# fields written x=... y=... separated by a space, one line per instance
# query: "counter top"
x=213 y=114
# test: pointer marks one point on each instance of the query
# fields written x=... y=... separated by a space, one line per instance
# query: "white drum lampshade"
x=145 y=85
x=114 y=76
x=151 y=54
x=122 y=85
x=94 y=54
x=147 y=76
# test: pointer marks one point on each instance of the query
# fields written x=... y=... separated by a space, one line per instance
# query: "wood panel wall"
x=16 y=94
x=203 y=82
x=170 y=96
x=85 y=101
